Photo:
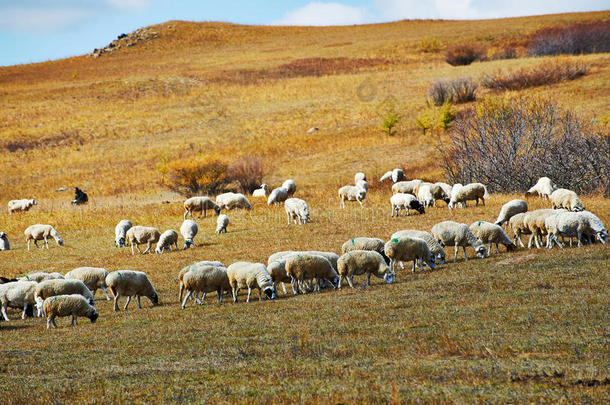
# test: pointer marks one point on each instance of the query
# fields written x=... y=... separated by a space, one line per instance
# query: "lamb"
x=20 y=205
x=576 y=224
x=277 y=196
x=534 y=222
x=363 y=185
x=351 y=193
x=405 y=201
x=435 y=248
x=405 y=249
x=4 y=243
x=93 y=277
x=142 y=234
x=17 y=294
x=564 y=198
x=41 y=276
x=424 y=195
x=492 y=233
x=42 y=232
x=204 y=279
x=450 y=233
x=472 y=191
x=130 y=283
x=518 y=227
x=406 y=187
x=189 y=230
x=194 y=266
x=297 y=210
x=359 y=177
x=66 y=305
x=201 y=204
x=356 y=262
x=49 y=288
x=221 y=224
x=261 y=192
x=395 y=175
x=120 y=231
x=544 y=188
x=166 y=240
x=290 y=186
x=363 y=243
x=230 y=201
x=249 y=275
x=307 y=266
x=508 y=210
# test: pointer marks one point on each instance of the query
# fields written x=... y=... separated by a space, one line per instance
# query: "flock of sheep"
x=73 y=293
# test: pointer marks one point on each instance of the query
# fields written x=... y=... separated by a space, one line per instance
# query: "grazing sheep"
x=230 y=201
x=395 y=175
x=290 y=186
x=405 y=249
x=508 y=210
x=120 y=231
x=49 y=288
x=66 y=305
x=20 y=205
x=518 y=227
x=455 y=190
x=17 y=294
x=204 y=279
x=363 y=243
x=166 y=240
x=356 y=262
x=277 y=196
x=221 y=223
x=406 y=187
x=297 y=210
x=277 y=272
x=330 y=256
x=450 y=233
x=351 y=193
x=142 y=234
x=567 y=199
x=189 y=230
x=201 y=204
x=534 y=222
x=424 y=195
x=307 y=266
x=194 y=266
x=492 y=233
x=472 y=191
x=249 y=275
x=261 y=192
x=359 y=177
x=575 y=224
x=544 y=188
x=41 y=276
x=405 y=201
x=130 y=283
x=441 y=191
x=42 y=232
x=4 y=243
x=435 y=248
x=276 y=264
x=93 y=277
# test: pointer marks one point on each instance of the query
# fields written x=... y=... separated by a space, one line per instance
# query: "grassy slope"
x=530 y=326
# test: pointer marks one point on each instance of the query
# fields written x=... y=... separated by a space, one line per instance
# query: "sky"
x=40 y=30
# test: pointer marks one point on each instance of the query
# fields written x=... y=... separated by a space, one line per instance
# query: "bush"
x=546 y=73
x=454 y=91
x=509 y=144
x=436 y=118
x=590 y=37
x=248 y=172
x=196 y=176
x=428 y=45
x=464 y=54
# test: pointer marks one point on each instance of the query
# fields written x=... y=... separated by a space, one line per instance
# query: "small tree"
x=392 y=118
x=196 y=176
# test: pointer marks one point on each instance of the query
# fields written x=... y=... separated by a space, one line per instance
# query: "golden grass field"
x=530 y=326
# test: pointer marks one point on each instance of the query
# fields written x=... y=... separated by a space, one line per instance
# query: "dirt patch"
x=516 y=260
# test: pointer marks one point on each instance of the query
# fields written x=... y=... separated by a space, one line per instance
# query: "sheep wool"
x=221 y=224
x=356 y=262
x=262 y=191
x=166 y=240
x=195 y=265
x=307 y=266
x=17 y=294
x=534 y=222
x=492 y=233
x=516 y=224
x=234 y=201
x=40 y=276
x=510 y=209
x=363 y=243
x=142 y=234
x=405 y=201
x=435 y=248
x=351 y=193
x=49 y=288
x=120 y=232
x=4 y=243
x=131 y=283
x=42 y=232
x=20 y=205
x=575 y=224
x=200 y=204
x=450 y=233
x=472 y=191
x=424 y=195
x=359 y=177
x=567 y=199
x=277 y=196
x=66 y=305
x=93 y=277
x=297 y=210
x=290 y=186
x=406 y=187
x=205 y=279
x=543 y=188
x=405 y=249
x=250 y=275
x=189 y=230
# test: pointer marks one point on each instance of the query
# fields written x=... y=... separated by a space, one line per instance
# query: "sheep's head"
x=441 y=258
x=2 y=235
x=188 y=243
x=481 y=251
x=335 y=282
x=120 y=242
x=511 y=247
x=578 y=207
x=431 y=261
x=154 y=298
x=602 y=236
x=93 y=316
x=59 y=240
x=389 y=275
x=159 y=250
x=416 y=205
x=34 y=202
x=270 y=293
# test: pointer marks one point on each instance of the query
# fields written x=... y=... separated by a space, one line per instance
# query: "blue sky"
x=39 y=30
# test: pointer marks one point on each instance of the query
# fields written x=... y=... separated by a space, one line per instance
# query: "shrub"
x=454 y=91
x=391 y=118
x=196 y=176
x=248 y=172
x=464 y=54
x=589 y=37
x=429 y=45
x=546 y=73
x=505 y=52
x=436 y=118
x=509 y=144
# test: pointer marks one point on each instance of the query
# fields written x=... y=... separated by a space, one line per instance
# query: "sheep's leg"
x=414 y=266
x=4 y=312
x=283 y=287
x=359 y=202
x=260 y=296
x=234 y=293
x=25 y=307
x=249 y=292
x=497 y=250
x=537 y=239
x=72 y=321
x=48 y=323
x=421 y=264
x=219 y=293
x=106 y=292
x=139 y=305
x=579 y=236
x=148 y=245
x=288 y=219
x=127 y=303
x=465 y=257
x=368 y=280
x=342 y=204
x=483 y=201
x=455 y=253
x=350 y=281
x=188 y=294
x=530 y=241
x=518 y=238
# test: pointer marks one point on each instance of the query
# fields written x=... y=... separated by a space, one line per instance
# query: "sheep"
x=306 y=266
x=441 y=191
x=405 y=249
x=205 y=279
x=395 y=175
x=534 y=222
x=356 y=262
x=290 y=186
x=276 y=264
x=17 y=294
x=142 y=234
x=49 y=288
x=93 y=277
x=41 y=276
x=4 y=243
x=359 y=177
x=42 y=232
x=576 y=224
x=406 y=187
x=405 y=201
x=130 y=283
x=221 y=224
x=166 y=240
x=492 y=233
x=435 y=248
x=455 y=190
x=120 y=231
x=230 y=201
x=544 y=188
x=194 y=266
x=277 y=272
x=277 y=196
x=518 y=227
x=363 y=185
x=472 y=191
x=261 y=192
x=66 y=305
x=363 y=243
x=351 y=193
x=189 y=230
x=20 y=205
x=564 y=198
x=201 y=204
x=330 y=256
x=508 y=210
x=424 y=195
x=450 y=233
x=249 y=275
x=297 y=210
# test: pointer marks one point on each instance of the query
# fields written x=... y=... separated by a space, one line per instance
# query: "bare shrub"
x=509 y=144
x=589 y=37
x=464 y=54
x=453 y=91
x=196 y=176
x=248 y=172
x=545 y=73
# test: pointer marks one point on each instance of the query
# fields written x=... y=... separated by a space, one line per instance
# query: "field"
x=530 y=326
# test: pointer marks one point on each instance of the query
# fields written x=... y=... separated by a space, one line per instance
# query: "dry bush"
x=589 y=37
x=509 y=144
x=196 y=176
x=248 y=172
x=429 y=45
x=546 y=73
x=464 y=54
x=453 y=91
x=504 y=52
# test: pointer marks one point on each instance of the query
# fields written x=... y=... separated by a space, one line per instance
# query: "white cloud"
x=128 y=4
x=319 y=14
x=41 y=19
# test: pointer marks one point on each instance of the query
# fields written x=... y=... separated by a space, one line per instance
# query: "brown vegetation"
x=549 y=72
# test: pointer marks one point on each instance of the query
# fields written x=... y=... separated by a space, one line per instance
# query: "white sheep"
x=297 y=210
x=230 y=201
x=130 y=283
x=567 y=199
x=332 y=257
x=395 y=175
x=196 y=265
x=20 y=205
x=405 y=249
x=93 y=277
x=516 y=224
x=307 y=266
x=205 y=279
x=575 y=224
x=363 y=185
x=261 y=192
x=137 y=235
x=49 y=288
x=250 y=275
x=276 y=265
x=17 y=294
x=455 y=190
x=351 y=193
x=492 y=233
x=544 y=188
x=508 y=210
x=68 y=304
x=534 y=222
x=450 y=233
x=441 y=191
x=406 y=187
x=435 y=248
x=189 y=230
x=221 y=223
x=364 y=243
x=277 y=196
x=356 y=262
x=42 y=232
x=359 y=176
x=120 y=232
x=425 y=196
x=166 y=240
x=4 y=243
x=472 y=191
x=290 y=186
x=40 y=276
x=201 y=204
x=405 y=201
